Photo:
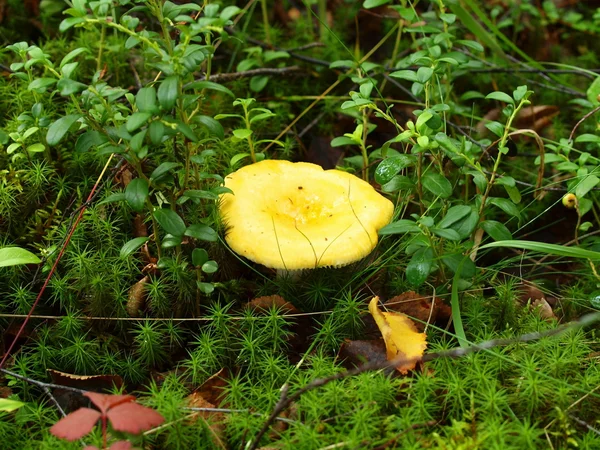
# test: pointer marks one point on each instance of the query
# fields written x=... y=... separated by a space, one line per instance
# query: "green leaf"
x=73 y=54
x=586 y=185
x=131 y=246
x=389 y=167
x=197 y=85
x=212 y=125
x=409 y=75
x=136 y=120
x=400 y=227
x=210 y=267
x=453 y=215
x=168 y=92
x=258 y=83
x=116 y=197
x=8 y=405
x=170 y=221
x=136 y=194
x=446 y=233
x=186 y=131
x=202 y=232
x=506 y=205
x=163 y=169
x=145 y=100
x=500 y=96
x=437 y=184
x=197 y=193
x=205 y=288
x=156 y=131
x=419 y=266
x=496 y=230
x=59 y=129
x=453 y=261
x=68 y=87
x=542 y=247
x=594 y=91
x=70 y=22
x=199 y=257
x=424 y=74
x=368 y=4
x=467 y=224
x=88 y=140
x=16 y=256
x=242 y=133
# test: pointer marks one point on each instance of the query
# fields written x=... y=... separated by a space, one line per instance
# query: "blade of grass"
x=459 y=330
x=542 y=247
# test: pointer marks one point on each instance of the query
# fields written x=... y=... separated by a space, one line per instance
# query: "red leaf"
x=76 y=425
x=120 y=445
x=105 y=402
x=133 y=418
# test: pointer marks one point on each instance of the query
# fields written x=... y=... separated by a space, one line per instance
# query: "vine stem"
x=55 y=265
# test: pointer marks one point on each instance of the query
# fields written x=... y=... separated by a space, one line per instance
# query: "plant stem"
x=265 y=18
x=100 y=48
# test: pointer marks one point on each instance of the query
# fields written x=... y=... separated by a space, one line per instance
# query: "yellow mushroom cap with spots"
x=295 y=216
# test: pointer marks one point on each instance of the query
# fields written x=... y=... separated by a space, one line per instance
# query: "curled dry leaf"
x=137 y=297
x=400 y=336
x=85 y=382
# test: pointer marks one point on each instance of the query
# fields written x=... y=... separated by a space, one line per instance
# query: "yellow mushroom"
x=294 y=216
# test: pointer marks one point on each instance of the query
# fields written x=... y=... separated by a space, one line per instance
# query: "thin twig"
x=592 y=112
x=223 y=77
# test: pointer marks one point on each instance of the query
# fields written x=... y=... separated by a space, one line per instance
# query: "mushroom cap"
x=295 y=216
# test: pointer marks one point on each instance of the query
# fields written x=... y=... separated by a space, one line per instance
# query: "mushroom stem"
x=292 y=275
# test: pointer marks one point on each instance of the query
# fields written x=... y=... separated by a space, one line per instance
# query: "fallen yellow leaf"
x=400 y=336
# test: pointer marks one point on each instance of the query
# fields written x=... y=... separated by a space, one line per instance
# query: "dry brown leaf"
x=534 y=117
x=137 y=297
x=266 y=303
x=544 y=309
x=400 y=336
x=418 y=307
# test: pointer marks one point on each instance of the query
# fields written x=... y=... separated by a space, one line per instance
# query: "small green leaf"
x=16 y=256
x=389 y=167
x=496 y=230
x=197 y=193
x=419 y=266
x=131 y=246
x=242 y=133
x=500 y=96
x=170 y=221
x=205 y=288
x=168 y=91
x=400 y=227
x=199 y=257
x=156 y=131
x=594 y=91
x=8 y=405
x=136 y=120
x=199 y=85
x=145 y=100
x=453 y=215
x=424 y=74
x=586 y=185
x=59 y=129
x=202 y=232
x=437 y=184
x=163 y=169
x=136 y=194
x=210 y=267
x=446 y=233
x=117 y=197
x=468 y=270
x=506 y=205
